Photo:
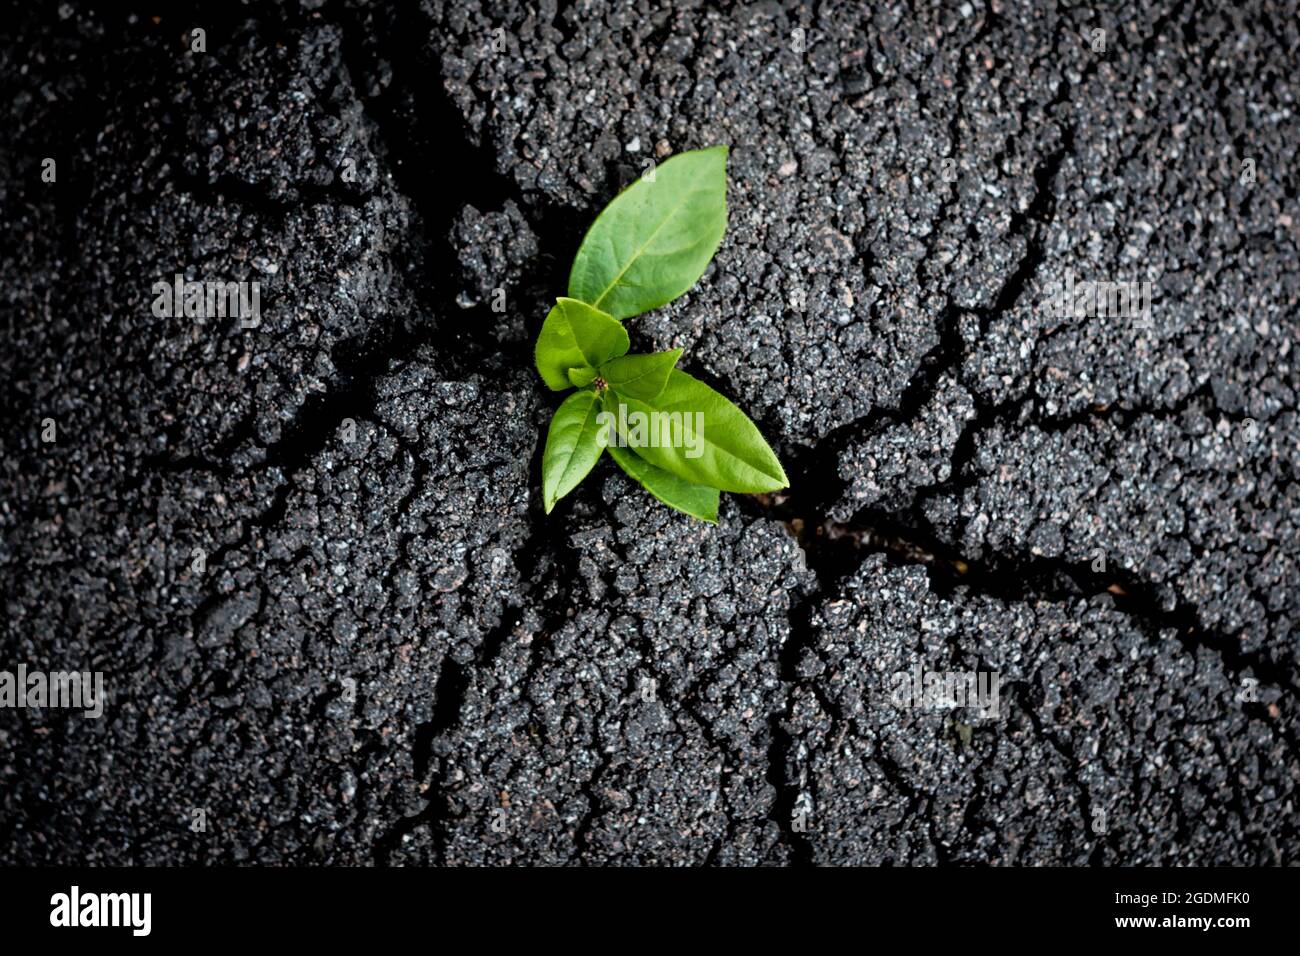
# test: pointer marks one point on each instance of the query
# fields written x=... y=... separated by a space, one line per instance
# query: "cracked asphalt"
x=310 y=557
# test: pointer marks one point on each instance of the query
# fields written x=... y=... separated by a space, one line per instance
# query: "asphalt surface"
x=310 y=557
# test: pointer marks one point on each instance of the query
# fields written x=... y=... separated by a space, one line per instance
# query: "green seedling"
x=674 y=435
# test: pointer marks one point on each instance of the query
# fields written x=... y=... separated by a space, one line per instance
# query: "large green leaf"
x=696 y=500
x=573 y=446
x=640 y=376
x=576 y=335
x=655 y=239
x=729 y=452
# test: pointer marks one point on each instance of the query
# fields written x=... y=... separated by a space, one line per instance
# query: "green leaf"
x=726 y=453
x=655 y=239
x=582 y=377
x=696 y=500
x=573 y=335
x=573 y=446
x=640 y=376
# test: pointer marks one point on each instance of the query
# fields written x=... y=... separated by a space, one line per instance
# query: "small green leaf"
x=727 y=452
x=640 y=376
x=582 y=377
x=573 y=446
x=696 y=500
x=574 y=335
x=655 y=239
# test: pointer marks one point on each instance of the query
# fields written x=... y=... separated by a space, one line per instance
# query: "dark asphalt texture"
x=389 y=654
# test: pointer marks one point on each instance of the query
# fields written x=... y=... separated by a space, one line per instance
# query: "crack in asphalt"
x=905 y=538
